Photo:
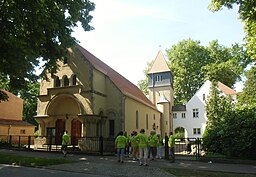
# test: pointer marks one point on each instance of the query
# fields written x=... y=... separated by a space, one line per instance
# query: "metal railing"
x=190 y=147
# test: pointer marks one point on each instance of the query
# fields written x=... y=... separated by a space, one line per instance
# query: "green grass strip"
x=13 y=159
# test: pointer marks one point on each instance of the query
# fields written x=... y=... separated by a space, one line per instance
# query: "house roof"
x=124 y=85
x=225 y=89
x=179 y=108
x=159 y=64
x=14 y=122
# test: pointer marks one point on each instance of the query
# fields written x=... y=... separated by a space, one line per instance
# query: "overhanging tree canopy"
x=30 y=30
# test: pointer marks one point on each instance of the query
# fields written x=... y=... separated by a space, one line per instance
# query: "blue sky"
x=128 y=33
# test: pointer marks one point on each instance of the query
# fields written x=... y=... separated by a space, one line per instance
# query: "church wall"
x=131 y=106
x=99 y=90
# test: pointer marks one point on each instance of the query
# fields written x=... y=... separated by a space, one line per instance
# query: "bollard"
x=166 y=147
x=101 y=145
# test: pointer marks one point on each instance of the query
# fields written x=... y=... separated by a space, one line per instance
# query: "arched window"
x=146 y=121
x=137 y=119
x=74 y=80
x=65 y=80
x=57 y=82
x=65 y=61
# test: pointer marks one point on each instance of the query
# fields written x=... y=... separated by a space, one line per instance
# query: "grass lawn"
x=180 y=172
x=30 y=161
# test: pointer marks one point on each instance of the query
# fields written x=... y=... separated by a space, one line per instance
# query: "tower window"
x=57 y=82
x=65 y=61
x=65 y=80
x=74 y=80
x=159 y=78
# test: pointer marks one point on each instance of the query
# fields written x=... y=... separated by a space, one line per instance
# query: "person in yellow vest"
x=120 y=143
x=171 y=143
x=159 y=146
x=135 y=146
x=143 y=147
x=65 y=142
x=152 y=142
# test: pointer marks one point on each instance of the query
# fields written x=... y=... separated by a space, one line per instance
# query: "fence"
x=100 y=145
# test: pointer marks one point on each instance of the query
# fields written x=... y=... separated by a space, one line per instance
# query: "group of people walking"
x=143 y=147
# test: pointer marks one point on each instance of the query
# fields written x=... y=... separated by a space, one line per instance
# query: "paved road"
x=97 y=166
x=17 y=171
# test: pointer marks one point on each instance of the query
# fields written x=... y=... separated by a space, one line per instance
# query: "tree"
x=186 y=60
x=247 y=97
x=143 y=84
x=247 y=13
x=34 y=30
x=192 y=64
x=227 y=64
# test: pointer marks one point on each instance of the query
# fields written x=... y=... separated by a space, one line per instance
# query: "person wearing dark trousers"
x=171 y=143
x=65 y=142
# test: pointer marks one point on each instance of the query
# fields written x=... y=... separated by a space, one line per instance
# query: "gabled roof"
x=225 y=89
x=159 y=64
x=179 y=108
x=124 y=85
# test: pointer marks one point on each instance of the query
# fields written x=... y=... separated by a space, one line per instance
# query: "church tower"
x=160 y=85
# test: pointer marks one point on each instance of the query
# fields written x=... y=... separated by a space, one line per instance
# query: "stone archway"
x=62 y=110
x=179 y=132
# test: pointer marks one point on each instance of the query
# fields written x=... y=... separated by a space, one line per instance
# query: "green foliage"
x=30 y=161
x=30 y=101
x=227 y=64
x=143 y=84
x=247 y=97
x=192 y=64
x=33 y=30
x=186 y=59
x=230 y=130
x=247 y=13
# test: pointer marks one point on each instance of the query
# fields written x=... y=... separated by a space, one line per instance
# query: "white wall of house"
x=195 y=119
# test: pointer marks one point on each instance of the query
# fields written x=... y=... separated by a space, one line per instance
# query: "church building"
x=88 y=98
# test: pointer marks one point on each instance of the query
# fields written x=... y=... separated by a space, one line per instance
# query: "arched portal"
x=63 y=111
x=179 y=132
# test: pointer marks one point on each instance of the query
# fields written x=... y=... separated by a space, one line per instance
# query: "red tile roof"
x=226 y=90
x=124 y=85
x=14 y=122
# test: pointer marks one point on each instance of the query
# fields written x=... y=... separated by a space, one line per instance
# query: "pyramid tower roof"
x=159 y=64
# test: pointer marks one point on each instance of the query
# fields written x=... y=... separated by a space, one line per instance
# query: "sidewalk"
x=109 y=166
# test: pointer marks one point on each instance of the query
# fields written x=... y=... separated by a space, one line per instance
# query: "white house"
x=192 y=116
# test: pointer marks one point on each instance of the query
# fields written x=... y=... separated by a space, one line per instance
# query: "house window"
x=57 y=82
x=154 y=117
x=174 y=115
x=66 y=81
x=195 y=113
x=196 y=131
x=203 y=97
x=183 y=115
x=137 y=119
x=111 y=128
x=146 y=121
x=22 y=131
x=74 y=80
